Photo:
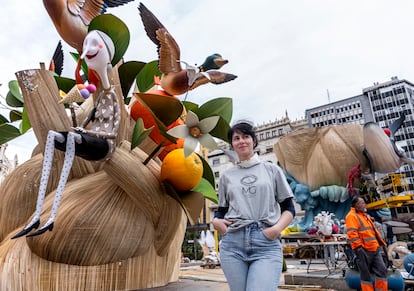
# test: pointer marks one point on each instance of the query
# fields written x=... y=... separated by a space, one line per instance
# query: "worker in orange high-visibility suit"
x=366 y=242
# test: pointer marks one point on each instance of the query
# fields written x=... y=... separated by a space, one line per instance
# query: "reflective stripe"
x=362 y=231
x=360 y=221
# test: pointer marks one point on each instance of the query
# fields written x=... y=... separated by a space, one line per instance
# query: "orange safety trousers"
x=381 y=284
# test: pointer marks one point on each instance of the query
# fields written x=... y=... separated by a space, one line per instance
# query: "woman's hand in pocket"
x=221 y=225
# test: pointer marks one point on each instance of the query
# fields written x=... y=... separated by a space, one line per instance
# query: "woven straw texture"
x=116 y=227
x=321 y=156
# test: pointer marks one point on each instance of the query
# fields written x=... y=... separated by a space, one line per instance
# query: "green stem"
x=152 y=154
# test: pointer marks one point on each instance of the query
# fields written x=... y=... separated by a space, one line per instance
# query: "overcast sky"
x=287 y=54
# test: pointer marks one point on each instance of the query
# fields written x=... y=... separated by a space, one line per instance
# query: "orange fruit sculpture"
x=170 y=147
x=183 y=173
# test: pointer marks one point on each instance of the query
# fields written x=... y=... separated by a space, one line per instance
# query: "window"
x=402 y=210
x=216 y=161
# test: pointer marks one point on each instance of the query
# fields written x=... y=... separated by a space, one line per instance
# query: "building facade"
x=353 y=110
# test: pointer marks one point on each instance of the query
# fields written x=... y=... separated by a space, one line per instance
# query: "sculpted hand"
x=79 y=129
x=221 y=225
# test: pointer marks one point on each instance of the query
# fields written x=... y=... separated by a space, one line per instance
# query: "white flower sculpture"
x=195 y=131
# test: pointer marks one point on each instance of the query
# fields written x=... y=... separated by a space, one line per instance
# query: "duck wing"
x=212 y=76
x=151 y=23
x=56 y=63
x=168 y=52
x=167 y=47
x=85 y=9
x=88 y=9
x=116 y=3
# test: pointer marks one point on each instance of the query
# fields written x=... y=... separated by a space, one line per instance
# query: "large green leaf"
x=15 y=115
x=12 y=101
x=127 y=73
x=207 y=172
x=221 y=130
x=139 y=133
x=25 y=125
x=207 y=190
x=145 y=78
x=220 y=106
x=64 y=84
x=116 y=29
x=3 y=119
x=8 y=132
x=15 y=90
x=190 y=106
x=166 y=108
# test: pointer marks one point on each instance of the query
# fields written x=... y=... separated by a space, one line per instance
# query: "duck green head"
x=213 y=62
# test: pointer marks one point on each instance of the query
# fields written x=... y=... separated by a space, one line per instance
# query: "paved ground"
x=193 y=285
x=195 y=278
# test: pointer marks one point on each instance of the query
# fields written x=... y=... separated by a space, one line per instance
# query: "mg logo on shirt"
x=248 y=187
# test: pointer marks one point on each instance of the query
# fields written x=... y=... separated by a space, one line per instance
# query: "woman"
x=255 y=205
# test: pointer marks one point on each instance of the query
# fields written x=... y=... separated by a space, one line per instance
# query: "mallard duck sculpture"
x=175 y=80
x=72 y=17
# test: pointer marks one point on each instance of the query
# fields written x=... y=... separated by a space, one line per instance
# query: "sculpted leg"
x=67 y=165
x=47 y=166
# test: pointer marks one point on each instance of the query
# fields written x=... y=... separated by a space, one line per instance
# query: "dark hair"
x=354 y=200
x=245 y=128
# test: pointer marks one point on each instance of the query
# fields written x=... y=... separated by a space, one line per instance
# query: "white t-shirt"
x=253 y=190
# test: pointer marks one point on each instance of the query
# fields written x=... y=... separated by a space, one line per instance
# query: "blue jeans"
x=250 y=261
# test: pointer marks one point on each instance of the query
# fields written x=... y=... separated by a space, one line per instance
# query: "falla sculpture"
x=96 y=143
x=328 y=165
x=97 y=187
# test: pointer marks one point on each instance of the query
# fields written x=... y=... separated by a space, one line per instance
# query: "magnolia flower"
x=195 y=131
